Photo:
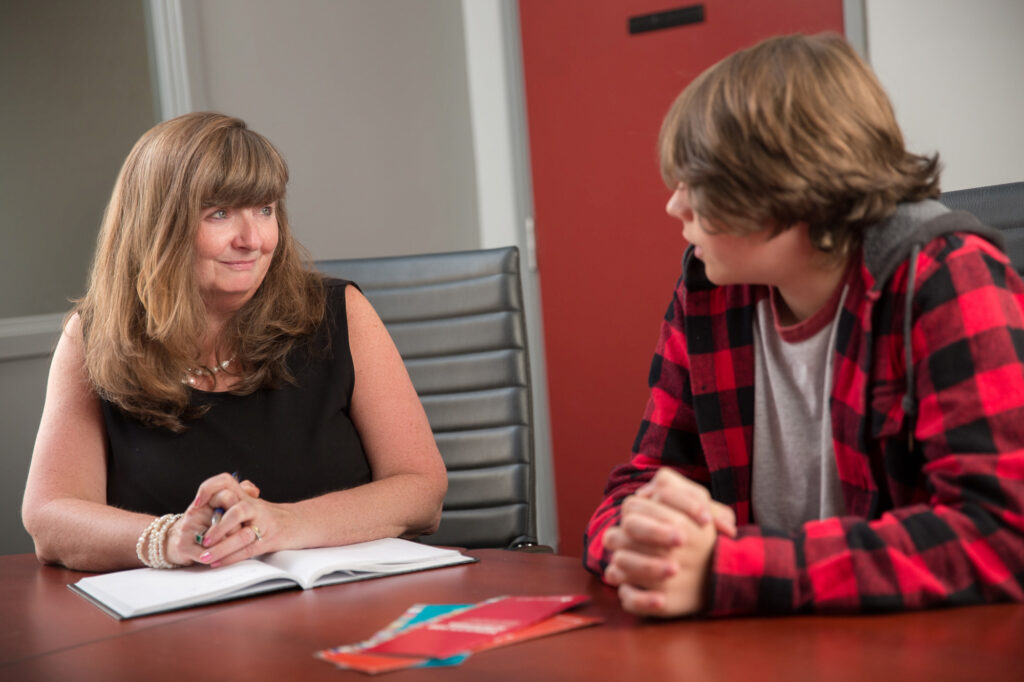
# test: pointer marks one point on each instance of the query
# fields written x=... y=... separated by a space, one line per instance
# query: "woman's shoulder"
x=348 y=308
x=72 y=337
x=72 y=325
x=338 y=294
x=336 y=286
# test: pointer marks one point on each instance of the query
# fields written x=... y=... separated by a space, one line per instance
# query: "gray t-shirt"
x=794 y=472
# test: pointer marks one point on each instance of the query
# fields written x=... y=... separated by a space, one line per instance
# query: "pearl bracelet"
x=155 y=535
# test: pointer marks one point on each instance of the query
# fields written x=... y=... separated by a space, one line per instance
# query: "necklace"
x=192 y=374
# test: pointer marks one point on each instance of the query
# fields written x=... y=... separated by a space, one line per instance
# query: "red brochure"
x=378 y=663
x=475 y=627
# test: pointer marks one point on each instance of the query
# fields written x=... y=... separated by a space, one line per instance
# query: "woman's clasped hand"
x=225 y=524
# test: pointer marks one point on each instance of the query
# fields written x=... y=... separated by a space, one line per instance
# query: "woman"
x=203 y=347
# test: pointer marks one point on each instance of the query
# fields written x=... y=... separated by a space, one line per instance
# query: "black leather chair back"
x=1000 y=206
x=457 y=319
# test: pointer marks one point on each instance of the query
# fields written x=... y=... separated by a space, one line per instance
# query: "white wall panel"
x=953 y=70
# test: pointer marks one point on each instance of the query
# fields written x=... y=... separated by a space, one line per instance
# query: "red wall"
x=608 y=255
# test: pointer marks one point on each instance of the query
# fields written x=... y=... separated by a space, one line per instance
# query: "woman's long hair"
x=143 y=318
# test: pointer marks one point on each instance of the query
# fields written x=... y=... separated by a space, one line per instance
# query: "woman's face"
x=234 y=247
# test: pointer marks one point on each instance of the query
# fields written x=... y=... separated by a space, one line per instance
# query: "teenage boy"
x=836 y=420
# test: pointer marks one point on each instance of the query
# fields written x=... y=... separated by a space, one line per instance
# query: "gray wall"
x=76 y=94
x=22 y=383
x=952 y=69
x=368 y=102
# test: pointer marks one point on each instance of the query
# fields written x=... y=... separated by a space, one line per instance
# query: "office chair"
x=1002 y=207
x=457 y=319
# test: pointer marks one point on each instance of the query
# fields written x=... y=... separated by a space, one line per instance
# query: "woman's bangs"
x=249 y=172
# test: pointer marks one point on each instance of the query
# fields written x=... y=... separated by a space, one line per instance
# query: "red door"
x=608 y=255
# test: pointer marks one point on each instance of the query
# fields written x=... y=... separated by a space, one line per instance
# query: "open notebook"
x=144 y=591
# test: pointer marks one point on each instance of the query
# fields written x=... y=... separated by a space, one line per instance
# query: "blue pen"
x=219 y=511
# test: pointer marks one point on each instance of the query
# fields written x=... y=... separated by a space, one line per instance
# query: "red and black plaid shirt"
x=941 y=522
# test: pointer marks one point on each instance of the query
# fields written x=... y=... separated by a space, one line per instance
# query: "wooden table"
x=49 y=633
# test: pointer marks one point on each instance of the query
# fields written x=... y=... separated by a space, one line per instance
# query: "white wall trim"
x=490 y=120
x=30 y=336
x=169 y=57
x=855 y=27
x=505 y=201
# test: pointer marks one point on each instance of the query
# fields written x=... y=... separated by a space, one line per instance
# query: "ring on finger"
x=199 y=538
x=256 y=532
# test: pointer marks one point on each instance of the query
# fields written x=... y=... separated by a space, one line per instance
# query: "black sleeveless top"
x=294 y=442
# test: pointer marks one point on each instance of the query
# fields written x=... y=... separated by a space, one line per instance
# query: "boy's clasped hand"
x=662 y=548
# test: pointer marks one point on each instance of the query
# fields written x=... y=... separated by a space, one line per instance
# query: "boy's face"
x=732 y=258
